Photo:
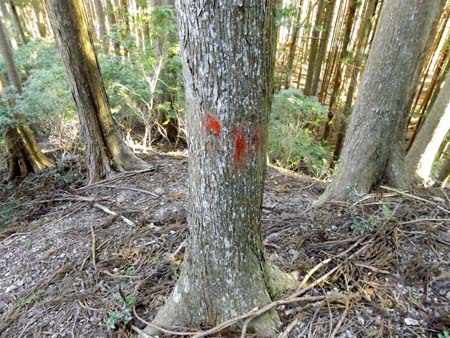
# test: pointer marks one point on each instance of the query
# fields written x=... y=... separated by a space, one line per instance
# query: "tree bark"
x=105 y=149
x=421 y=155
x=24 y=155
x=374 y=145
x=227 y=54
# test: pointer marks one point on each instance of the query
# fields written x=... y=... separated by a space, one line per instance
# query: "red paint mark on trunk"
x=256 y=140
x=211 y=124
x=239 y=146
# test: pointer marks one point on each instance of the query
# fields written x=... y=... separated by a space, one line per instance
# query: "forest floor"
x=94 y=261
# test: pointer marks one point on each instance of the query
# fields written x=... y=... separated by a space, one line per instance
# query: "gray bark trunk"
x=426 y=145
x=227 y=54
x=105 y=148
x=374 y=144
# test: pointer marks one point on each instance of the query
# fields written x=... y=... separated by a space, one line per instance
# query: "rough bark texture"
x=105 y=148
x=421 y=155
x=227 y=53
x=24 y=155
x=374 y=145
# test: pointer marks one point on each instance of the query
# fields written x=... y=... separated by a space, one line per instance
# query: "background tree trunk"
x=421 y=155
x=314 y=47
x=374 y=145
x=16 y=22
x=227 y=54
x=105 y=148
x=102 y=25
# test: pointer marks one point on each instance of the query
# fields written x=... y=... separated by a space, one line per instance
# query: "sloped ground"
x=379 y=267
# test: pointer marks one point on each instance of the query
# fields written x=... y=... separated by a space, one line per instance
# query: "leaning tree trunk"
x=105 y=149
x=421 y=155
x=374 y=144
x=24 y=155
x=228 y=66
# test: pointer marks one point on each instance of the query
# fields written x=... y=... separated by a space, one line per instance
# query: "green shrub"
x=292 y=144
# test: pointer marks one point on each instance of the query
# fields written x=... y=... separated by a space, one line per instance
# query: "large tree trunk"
x=374 y=145
x=421 y=155
x=23 y=153
x=105 y=148
x=227 y=54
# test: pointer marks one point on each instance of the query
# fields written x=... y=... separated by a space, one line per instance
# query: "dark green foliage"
x=293 y=122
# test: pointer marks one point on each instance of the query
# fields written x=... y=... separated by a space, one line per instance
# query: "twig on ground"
x=94 y=263
x=341 y=320
x=289 y=328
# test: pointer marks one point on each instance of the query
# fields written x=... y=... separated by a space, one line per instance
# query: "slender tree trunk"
x=350 y=14
x=16 y=22
x=314 y=48
x=292 y=48
x=225 y=273
x=24 y=155
x=39 y=17
x=105 y=148
x=112 y=24
x=329 y=10
x=421 y=155
x=362 y=41
x=102 y=25
x=374 y=146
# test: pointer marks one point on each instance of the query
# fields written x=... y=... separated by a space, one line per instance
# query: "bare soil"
x=377 y=267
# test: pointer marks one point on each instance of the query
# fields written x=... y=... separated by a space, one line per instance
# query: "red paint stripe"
x=239 y=146
x=211 y=124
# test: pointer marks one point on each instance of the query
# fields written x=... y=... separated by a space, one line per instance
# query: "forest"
x=232 y=168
